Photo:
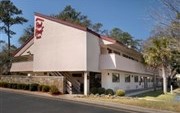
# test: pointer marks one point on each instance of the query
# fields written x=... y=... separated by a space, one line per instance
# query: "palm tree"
x=157 y=53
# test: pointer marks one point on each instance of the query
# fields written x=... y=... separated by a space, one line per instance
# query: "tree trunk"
x=9 y=51
x=164 y=80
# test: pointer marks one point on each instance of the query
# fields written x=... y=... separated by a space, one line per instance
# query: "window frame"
x=117 y=79
x=129 y=78
x=136 y=78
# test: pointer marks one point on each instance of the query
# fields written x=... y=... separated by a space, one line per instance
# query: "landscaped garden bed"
x=31 y=87
x=153 y=99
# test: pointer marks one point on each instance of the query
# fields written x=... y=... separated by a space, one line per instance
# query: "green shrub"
x=40 y=87
x=45 y=88
x=109 y=92
x=54 y=90
x=4 y=84
x=33 y=87
x=19 y=86
x=9 y=85
x=1 y=84
x=120 y=92
x=25 y=86
x=94 y=90
x=101 y=91
x=14 y=85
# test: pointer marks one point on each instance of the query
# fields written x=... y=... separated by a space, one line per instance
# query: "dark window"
x=115 y=77
x=127 y=78
x=136 y=78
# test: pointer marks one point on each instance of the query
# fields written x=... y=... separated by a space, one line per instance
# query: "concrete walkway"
x=139 y=91
x=74 y=98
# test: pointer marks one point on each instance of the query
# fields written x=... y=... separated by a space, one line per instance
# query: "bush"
x=19 y=86
x=54 y=90
x=109 y=92
x=13 y=85
x=94 y=90
x=4 y=84
x=25 y=86
x=120 y=92
x=45 y=88
x=33 y=87
x=9 y=85
x=101 y=91
x=40 y=87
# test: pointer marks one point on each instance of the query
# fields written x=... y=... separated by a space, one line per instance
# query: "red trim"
x=27 y=41
x=74 y=26
x=108 y=39
x=67 y=23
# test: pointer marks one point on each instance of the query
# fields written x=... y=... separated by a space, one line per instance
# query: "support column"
x=86 y=83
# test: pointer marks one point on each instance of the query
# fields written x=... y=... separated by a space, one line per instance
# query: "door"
x=145 y=82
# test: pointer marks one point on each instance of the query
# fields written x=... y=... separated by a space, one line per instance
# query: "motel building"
x=84 y=58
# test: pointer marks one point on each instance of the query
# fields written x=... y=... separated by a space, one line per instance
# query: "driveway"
x=11 y=102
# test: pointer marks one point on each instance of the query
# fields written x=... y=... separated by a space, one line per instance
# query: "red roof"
x=27 y=41
x=67 y=23
x=71 y=25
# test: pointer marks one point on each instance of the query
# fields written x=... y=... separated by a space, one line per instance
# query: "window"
x=142 y=79
x=115 y=77
x=127 y=78
x=136 y=79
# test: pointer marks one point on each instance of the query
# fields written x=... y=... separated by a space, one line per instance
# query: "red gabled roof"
x=74 y=26
x=67 y=23
x=27 y=41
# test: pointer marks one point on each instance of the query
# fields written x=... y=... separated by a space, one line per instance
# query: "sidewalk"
x=75 y=99
x=136 y=92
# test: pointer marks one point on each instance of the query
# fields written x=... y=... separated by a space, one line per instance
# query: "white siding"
x=30 y=49
x=93 y=52
x=22 y=66
x=116 y=62
x=107 y=83
x=61 y=48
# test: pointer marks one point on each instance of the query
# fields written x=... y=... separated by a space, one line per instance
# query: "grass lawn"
x=155 y=100
x=157 y=96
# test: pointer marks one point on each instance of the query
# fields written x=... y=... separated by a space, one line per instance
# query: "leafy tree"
x=28 y=32
x=72 y=15
x=9 y=16
x=158 y=53
x=125 y=38
x=4 y=59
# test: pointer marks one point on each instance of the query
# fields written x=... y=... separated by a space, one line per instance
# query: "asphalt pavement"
x=11 y=102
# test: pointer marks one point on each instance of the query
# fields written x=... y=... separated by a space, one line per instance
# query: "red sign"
x=39 y=28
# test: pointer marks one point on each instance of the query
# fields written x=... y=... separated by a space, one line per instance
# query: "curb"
x=103 y=104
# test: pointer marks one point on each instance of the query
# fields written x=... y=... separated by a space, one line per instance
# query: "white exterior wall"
x=107 y=83
x=30 y=49
x=25 y=49
x=116 y=62
x=22 y=66
x=61 y=48
x=93 y=52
